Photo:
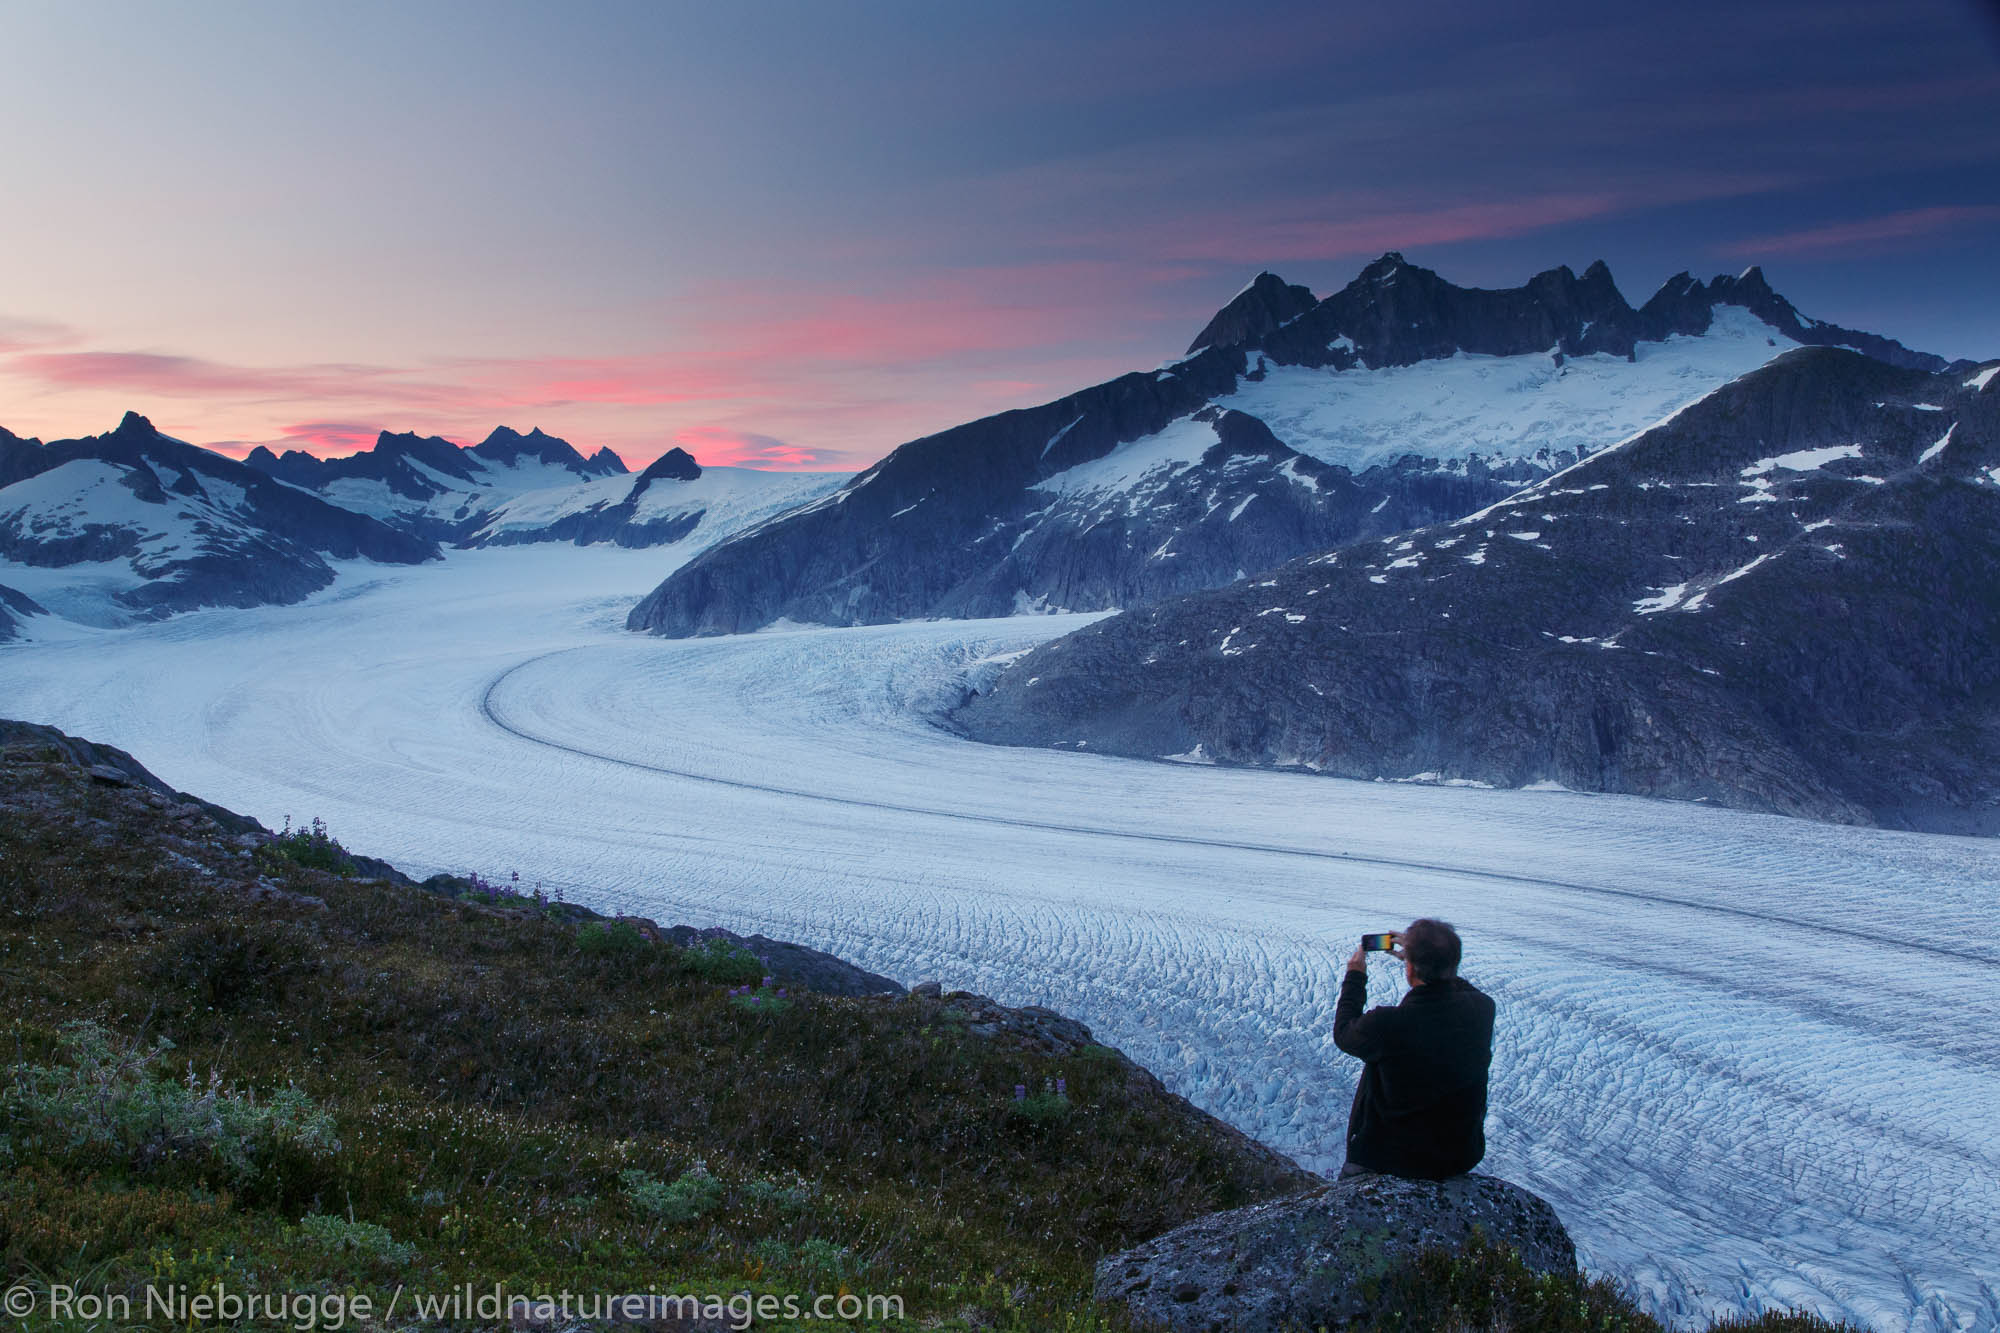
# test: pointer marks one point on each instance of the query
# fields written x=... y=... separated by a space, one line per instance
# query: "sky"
x=799 y=234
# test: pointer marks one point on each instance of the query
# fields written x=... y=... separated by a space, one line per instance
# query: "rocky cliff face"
x=1293 y=425
x=1786 y=598
x=169 y=527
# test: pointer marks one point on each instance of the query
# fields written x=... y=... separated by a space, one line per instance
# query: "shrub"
x=723 y=962
x=229 y=966
x=610 y=939
x=694 y=1194
x=103 y=1104
x=1040 y=1108
x=337 y=1236
x=313 y=847
x=821 y=1258
x=784 y=1198
x=764 y=998
x=1488 y=1286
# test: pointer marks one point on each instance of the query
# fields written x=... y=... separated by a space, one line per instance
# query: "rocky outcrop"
x=1786 y=599
x=793 y=965
x=110 y=766
x=1319 y=1260
x=1097 y=501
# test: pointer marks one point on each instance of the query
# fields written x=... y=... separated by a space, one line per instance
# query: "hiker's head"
x=1430 y=951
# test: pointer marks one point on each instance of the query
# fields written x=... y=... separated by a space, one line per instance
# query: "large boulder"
x=1318 y=1259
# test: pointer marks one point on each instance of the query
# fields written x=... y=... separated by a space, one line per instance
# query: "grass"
x=349 y=1084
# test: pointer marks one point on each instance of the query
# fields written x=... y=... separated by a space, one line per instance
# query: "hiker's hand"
x=1358 y=963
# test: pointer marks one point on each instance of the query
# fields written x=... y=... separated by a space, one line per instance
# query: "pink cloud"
x=19 y=335
x=323 y=439
x=1866 y=234
x=790 y=375
x=723 y=447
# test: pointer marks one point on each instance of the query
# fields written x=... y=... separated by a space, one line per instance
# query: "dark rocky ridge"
x=506 y=447
x=1816 y=640
x=954 y=524
x=1396 y=314
x=269 y=547
x=388 y=462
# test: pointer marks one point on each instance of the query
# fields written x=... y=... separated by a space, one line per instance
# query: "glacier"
x=1750 y=1060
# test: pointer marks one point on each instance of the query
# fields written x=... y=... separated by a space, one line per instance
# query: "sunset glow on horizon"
x=782 y=236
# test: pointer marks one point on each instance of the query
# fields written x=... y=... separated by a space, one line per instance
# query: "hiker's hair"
x=1433 y=950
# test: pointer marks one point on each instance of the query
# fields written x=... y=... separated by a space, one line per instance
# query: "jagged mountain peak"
x=1265 y=305
x=675 y=464
x=433 y=451
x=133 y=424
x=507 y=447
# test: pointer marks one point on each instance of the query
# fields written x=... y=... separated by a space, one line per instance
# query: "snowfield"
x=1751 y=1061
x=1500 y=407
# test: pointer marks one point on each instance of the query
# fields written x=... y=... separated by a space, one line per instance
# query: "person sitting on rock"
x=1420 y=1111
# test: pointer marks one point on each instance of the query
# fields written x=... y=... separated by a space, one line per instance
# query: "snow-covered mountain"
x=673 y=499
x=428 y=486
x=137 y=525
x=512 y=488
x=1292 y=425
x=1785 y=598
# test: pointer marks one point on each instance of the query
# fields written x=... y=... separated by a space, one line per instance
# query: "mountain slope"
x=1786 y=598
x=137 y=524
x=1398 y=401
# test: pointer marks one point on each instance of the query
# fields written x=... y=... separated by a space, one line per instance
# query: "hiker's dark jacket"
x=1421 y=1108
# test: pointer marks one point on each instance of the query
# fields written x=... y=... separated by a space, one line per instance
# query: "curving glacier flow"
x=1750 y=1059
